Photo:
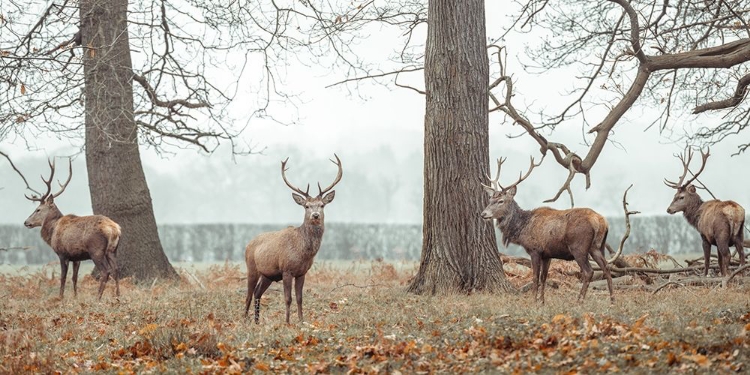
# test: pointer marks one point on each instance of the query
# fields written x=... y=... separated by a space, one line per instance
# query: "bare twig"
x=666 y=285
x=19 y=173
x=379 y=75
x=195 y=278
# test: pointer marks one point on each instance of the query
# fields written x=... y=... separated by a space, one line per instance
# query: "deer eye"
x=501 y=201
x=681 y=198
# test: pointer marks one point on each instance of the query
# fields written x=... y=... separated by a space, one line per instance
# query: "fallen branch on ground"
x=735 y=273
x=668 y=283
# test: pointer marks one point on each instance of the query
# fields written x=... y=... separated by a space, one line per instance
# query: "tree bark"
x=116 y=181
x=459 y=250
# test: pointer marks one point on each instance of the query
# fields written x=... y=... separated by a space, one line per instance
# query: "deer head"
x=502 y=197
x=47 y=200
x=313 y=205
x=686 y=194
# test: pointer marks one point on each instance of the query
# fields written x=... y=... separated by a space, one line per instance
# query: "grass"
x=358 y=318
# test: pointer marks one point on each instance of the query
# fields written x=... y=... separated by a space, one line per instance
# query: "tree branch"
x=373 y=76
x=627 y=225
x=739 y=94
x=169 y=103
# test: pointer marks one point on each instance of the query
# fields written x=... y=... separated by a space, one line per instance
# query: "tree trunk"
x=459 y=251
x=116 y=181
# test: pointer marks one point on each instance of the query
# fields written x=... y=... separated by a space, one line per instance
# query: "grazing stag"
x=76 y=238
x=546 y=233
x=719 y=223
x=288 y=254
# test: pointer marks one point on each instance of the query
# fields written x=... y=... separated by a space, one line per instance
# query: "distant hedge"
x=344 y=241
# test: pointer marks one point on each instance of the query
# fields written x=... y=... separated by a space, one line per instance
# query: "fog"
x=382 y=180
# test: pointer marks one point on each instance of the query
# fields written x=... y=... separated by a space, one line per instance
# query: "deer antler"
x=335 y=181
x=522 y=176
x=704 y=158
x=494 y=184
x=686 y=158
x=296 y=189
x=48 y=182
x=65 y=185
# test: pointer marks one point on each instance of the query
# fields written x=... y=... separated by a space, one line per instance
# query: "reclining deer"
x=76 y=238
x=546 y=233
x=720 y=223
x=286 y=255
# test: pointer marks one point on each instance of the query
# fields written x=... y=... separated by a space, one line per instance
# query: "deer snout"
x=27 y=224
x=670 y=211
x=486 y=215
x=315 y=215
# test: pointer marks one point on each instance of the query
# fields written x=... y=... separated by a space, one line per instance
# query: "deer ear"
x=328 y=198
x=511 y=191
x=299 y=199
x=50 y=200
x=691 y=188
x=490 y=191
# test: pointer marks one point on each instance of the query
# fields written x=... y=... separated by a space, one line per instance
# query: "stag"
x=76 y=238
x=546 y=233
x=286 y=255
x=719 y=223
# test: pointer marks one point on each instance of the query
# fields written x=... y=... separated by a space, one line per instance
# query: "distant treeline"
x=344 y=241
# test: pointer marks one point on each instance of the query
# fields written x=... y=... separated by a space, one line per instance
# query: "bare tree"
x=671 y=55
x=113 y=75
x=459 y=251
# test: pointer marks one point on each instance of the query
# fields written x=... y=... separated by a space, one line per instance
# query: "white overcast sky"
x=333 y=120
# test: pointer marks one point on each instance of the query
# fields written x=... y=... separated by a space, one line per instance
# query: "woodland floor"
x=358 y=318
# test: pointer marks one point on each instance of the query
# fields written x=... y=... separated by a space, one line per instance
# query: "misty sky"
x=378 y=134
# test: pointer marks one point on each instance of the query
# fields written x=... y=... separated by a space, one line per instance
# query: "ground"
x=358 y=318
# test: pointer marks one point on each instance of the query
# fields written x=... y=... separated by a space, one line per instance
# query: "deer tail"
x=736 y=221
x=600 y=234
x=601 y=240
x=112 y=231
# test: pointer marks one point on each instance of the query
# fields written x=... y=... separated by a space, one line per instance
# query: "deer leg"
x=287 y=280
x=738 y=241
x=263 y=284
x=724 y=257
x=63 y=275
x=252 y=280
x=706 y=255
x=75 y=278
x=543 y=275
x=536 y=261
x=100 y=260
x=602 y=263
x=586 y=272
x=299 y=282
x=112 y=259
